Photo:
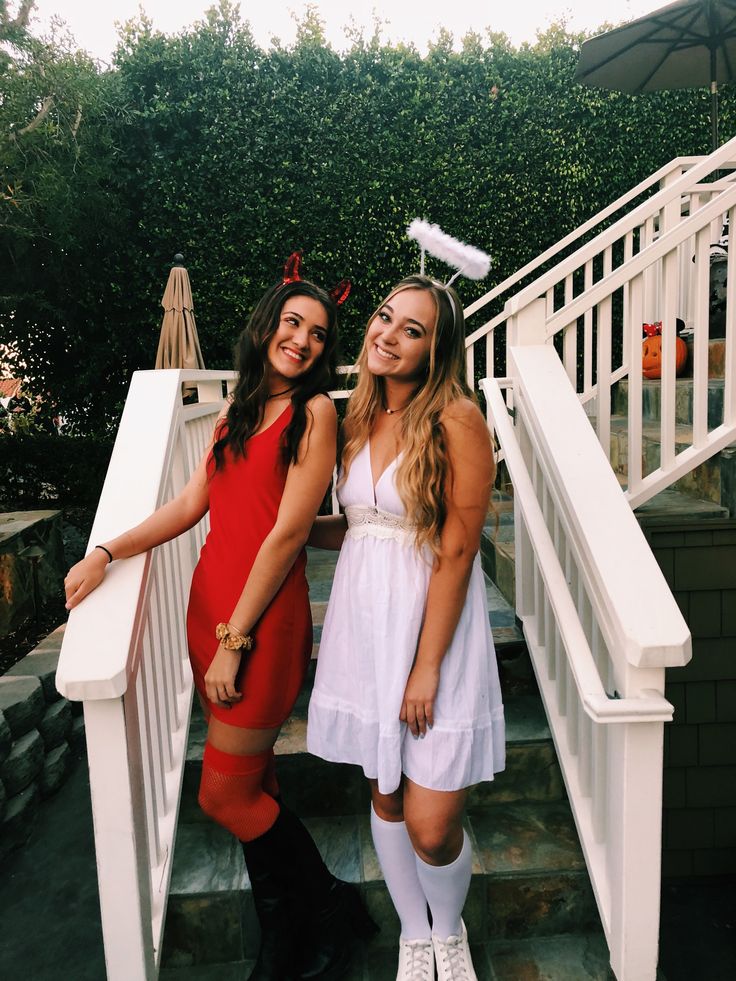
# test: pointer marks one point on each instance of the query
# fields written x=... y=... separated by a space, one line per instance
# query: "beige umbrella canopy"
x=178 y=346
x=687 y=44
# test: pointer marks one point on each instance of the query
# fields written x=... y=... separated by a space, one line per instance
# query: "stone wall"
x=699 y=834
x=32 y=564
x=41 y=734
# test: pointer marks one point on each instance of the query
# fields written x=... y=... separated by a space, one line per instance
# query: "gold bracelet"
x=233 y=639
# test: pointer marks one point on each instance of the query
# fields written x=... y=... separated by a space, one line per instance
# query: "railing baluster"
x=729 y=399
x=570 y=340
x=562 y=675
x=164 y=682
x=701 y=313
x=588 y=333
x=628 y=254
x=600 y=782
x=490 y=359
x=635 y=391
x=603 y=400
x=154 y=845
x=470 y=367
x=155 y=793
x=668 y=385
x=585 y=753
x=573 y=705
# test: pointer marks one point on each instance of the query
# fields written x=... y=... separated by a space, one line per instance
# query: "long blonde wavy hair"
x=424 y=471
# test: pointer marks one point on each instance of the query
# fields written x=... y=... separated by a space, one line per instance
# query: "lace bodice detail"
x=368 y=520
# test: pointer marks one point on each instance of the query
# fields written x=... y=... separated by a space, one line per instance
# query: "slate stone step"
x=498 y=557
x=673 y=505
x=529 y=880
x=576 y=957
x=652 y=400
x=713 y=480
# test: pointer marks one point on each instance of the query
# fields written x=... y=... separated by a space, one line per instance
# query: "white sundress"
x=367 y=649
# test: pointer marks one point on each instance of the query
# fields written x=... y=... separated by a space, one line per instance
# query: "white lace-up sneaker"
x=416 y=960
x=453 y=958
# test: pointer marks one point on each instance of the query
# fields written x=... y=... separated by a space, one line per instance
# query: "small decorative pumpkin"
x=651 y=353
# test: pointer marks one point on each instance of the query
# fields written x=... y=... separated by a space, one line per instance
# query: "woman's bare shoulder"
x=322 y=408
x=462 y=415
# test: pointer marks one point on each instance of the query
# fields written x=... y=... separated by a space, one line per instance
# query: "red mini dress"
x=244 y=497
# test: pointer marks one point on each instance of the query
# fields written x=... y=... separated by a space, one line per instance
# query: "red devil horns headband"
x=292 y=274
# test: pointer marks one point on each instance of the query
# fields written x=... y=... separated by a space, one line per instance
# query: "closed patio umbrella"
x=687 y=44
x=178 y=345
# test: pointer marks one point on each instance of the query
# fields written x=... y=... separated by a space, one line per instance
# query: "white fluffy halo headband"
x=466 y=259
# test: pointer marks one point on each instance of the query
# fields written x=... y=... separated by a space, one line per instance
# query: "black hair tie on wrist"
x=106 y=551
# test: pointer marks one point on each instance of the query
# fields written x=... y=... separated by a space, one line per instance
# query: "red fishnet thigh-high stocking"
x=231 y=792
x=270 y=780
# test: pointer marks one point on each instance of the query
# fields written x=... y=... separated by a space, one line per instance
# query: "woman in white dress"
x=407 y=684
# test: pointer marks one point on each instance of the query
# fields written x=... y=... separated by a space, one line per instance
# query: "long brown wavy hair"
x=248 y=400
x=424 y=472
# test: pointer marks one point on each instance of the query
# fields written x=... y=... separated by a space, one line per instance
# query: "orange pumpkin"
x=651 y=356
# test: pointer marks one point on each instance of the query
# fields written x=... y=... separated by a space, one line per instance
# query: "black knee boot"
x=333 y=909
x=273 y=879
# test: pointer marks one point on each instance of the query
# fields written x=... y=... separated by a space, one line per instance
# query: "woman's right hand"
x=85 y=576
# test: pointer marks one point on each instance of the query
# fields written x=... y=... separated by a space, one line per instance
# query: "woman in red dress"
x=262 y=479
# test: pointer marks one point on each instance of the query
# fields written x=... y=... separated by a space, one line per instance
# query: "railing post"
x=118 y=809
x=634 y=794
x=526 y=326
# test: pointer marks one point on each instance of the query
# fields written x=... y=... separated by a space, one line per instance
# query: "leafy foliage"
x=206 y=143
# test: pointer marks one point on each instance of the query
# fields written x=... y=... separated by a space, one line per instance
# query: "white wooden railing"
x=601 y=626
x=639 y=269
x=482 y=342
x=124 y=655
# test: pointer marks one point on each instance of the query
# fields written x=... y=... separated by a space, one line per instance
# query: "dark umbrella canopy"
x=687 y=44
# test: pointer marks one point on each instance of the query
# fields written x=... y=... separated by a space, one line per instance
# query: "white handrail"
x=588 y=627
x=124 y=655
x=624 y=273
x=597 y=219
x=624 y=594
x=600 y=706
x=656 y=203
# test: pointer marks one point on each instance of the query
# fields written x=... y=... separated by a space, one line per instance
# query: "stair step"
x=571 y=957
x=706 y=482
x=529 y=879
x=652 y=400
x=672 y=505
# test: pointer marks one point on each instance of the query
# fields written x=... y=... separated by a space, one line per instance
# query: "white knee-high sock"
x=446 y=887
x=398 y=864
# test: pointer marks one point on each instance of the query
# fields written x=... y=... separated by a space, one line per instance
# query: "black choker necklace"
x=390 y=412
x=277 y=394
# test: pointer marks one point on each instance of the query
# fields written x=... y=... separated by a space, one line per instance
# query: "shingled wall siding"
x=699 y=833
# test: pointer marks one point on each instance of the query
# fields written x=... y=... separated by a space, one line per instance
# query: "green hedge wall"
x=207 y=144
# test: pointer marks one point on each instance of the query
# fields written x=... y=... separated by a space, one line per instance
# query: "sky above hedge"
x=93 y=25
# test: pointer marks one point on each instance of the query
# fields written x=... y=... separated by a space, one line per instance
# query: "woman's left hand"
x=417 y=709
x=219 y=681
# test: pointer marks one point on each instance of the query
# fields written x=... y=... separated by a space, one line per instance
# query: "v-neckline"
x=262 y=432
x=374 y=484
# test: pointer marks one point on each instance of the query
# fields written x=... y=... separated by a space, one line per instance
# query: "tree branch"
x=35 y=123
